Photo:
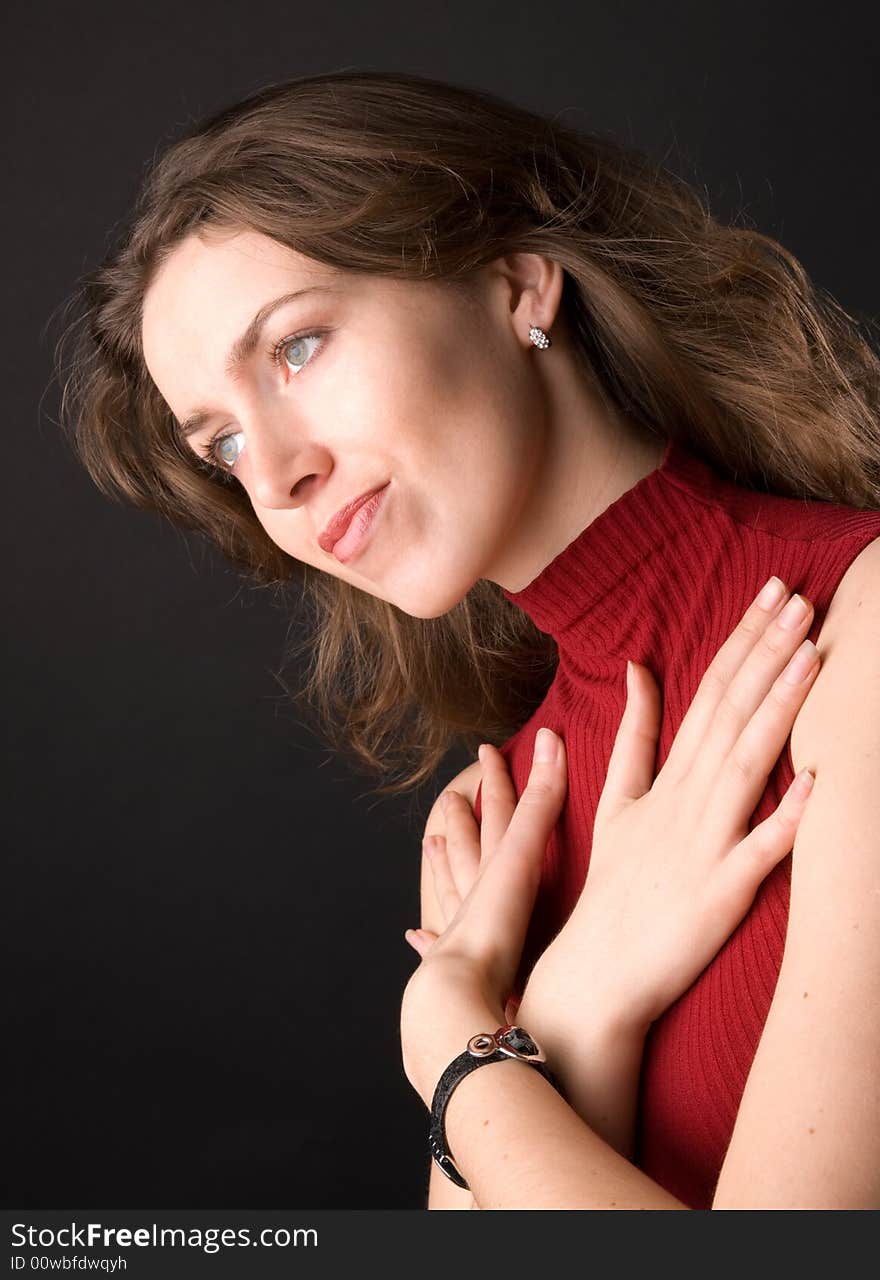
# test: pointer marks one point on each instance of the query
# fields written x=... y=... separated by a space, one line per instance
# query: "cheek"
x=290 y=535
x=438 y=422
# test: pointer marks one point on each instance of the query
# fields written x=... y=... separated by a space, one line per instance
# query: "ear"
x=533 y=289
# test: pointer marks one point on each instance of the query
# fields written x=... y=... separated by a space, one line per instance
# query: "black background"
x=204 y=910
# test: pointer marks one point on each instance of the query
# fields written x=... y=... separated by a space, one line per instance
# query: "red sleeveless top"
x=663 y=576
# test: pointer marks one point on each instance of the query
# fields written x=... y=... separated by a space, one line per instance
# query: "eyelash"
x=208 y=449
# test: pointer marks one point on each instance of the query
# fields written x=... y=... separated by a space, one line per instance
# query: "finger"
x=630 y=771
x=520 y=855
x=445 y=888
x=421 y=940
x=497 y=914
x=462 y=841
x=718 y=675
x=744 y=774
x=767 y=844
x=497 y=798
x=755 y=680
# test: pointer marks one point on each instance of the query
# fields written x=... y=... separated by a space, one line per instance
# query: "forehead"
x=224 y=270
x=207 y=291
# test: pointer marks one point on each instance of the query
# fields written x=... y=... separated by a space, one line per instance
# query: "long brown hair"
x=709 y=333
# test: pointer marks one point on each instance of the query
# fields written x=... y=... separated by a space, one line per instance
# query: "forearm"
x=443 y=1193
x=520 y=1146
x=597 y=1064
x=516 y=1140
x=596 y=1056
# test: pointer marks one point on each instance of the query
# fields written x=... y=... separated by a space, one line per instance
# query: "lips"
x=343 y=518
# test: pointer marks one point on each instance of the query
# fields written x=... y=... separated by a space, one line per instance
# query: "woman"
x=513 y=409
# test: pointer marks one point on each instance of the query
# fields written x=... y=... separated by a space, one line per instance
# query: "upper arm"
x=807 y=1134
x=442 y=1193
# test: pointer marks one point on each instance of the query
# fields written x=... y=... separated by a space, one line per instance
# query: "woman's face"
x=420 y=389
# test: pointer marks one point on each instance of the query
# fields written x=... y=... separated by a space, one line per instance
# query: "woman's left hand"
x=467 y=972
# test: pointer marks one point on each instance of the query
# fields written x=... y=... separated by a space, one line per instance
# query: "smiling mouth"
x=357 y=532
x=339 y=525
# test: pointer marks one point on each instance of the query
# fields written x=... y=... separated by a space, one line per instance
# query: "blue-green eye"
x=223 y=451
x=219 y=449
x=295 y=353
x=296 y=345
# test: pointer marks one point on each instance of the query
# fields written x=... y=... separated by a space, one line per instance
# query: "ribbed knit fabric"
x=663 y=576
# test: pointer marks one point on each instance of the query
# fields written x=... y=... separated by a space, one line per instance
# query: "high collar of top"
x=594 y=574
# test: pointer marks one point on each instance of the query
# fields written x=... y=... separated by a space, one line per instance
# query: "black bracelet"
x=508 y=1041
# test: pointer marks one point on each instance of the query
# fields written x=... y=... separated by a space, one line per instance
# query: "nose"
x=282 y=467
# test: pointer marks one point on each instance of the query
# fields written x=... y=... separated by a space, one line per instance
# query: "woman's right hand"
x=673 y=867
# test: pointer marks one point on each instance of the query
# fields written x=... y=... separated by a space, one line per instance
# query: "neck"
x=590 y=458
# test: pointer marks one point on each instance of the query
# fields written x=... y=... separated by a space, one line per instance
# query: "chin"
x=431 y=603
x=426 y=610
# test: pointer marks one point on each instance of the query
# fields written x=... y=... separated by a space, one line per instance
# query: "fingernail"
x=801 y=664
x=545 y=746
x=804 y=781
x=771 y=593
x=444 y=801
x=793 y=613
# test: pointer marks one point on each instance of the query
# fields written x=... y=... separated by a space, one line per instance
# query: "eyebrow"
x=243 y=348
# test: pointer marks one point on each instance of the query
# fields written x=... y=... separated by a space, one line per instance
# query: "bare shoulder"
x=862 y=575
x=807 y=1134
x=850 y=620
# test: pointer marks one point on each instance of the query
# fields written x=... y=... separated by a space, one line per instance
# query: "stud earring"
x=539 y=337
